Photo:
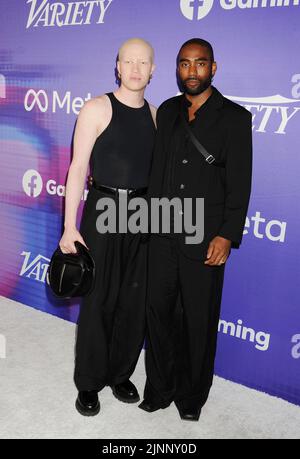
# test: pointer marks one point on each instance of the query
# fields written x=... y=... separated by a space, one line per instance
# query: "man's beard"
x=203 y=85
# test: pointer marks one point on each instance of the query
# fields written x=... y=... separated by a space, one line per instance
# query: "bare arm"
x=85 y=135
x=84 y=139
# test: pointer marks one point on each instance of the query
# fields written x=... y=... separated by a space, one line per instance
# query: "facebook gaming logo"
x=196 y=9
x=32 y=183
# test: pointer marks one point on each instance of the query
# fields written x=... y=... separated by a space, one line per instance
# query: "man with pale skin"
x=115 y=133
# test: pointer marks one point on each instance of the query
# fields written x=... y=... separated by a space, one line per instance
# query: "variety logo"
x=198 y=9
x=58 y=14
x=272 y=113
x=2 y=87
x=296 y=348
x=42 y=101
x=276 y=111
x=34 y=269
x=261 y=339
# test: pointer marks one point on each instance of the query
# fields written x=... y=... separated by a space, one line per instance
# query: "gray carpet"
x=37 y=394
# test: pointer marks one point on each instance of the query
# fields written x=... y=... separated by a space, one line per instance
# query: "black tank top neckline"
x=127 y=106
x=122 y=154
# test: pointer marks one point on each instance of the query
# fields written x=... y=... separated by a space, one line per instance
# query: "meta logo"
x=296 y=348
x=44 y=103
x=2 y=87
x=38 y=98
x=274 y=230
x=198 y=9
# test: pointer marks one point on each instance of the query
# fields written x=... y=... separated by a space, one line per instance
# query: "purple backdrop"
x=54 y=55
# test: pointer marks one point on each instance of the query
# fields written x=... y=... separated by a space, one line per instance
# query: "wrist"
x=70 y=226
x=225 y=238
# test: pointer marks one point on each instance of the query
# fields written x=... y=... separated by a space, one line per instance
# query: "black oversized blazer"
x=226 y=132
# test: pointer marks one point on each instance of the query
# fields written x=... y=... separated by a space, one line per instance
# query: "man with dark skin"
x=185 y=281
x=196 y=71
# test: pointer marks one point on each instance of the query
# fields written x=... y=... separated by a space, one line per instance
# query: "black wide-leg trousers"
x=183 y=309
x=111 y=322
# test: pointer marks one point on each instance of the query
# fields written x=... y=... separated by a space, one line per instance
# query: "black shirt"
x=182 y=154
x=122 y=154
x=225 y=129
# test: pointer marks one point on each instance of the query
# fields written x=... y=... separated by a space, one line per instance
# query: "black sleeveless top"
x=121 y=156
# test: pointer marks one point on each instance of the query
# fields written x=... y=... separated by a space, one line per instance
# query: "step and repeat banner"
x=55 y=55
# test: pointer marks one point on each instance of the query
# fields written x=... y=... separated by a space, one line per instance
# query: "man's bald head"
x=135 y=64
x=136 y=47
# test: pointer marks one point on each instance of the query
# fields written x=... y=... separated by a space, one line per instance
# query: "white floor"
x=37 y=394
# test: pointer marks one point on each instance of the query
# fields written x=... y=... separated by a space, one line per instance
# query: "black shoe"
x=148 y=406
x=190 y=414
x=126 y=392
x=87 y=403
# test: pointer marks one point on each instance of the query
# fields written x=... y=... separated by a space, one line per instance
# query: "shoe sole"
x=195 y=419
x=87 y=413
x=126 y=400
x=190 y=419
x=155 y=409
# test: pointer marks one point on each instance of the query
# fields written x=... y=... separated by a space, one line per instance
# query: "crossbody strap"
x=210 y=159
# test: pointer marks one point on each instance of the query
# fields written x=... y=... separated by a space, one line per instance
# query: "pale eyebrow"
x=138 y=59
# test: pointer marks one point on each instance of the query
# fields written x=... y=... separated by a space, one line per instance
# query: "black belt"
x=132 y=192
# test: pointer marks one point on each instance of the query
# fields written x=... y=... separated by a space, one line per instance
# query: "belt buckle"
x=122 y=191
x=129 y=192
x=210 y=159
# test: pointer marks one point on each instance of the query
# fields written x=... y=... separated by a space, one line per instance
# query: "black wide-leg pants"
x=111 y=322
x=183 y=309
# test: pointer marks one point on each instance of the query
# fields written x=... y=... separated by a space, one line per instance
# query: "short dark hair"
x=201 y=42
